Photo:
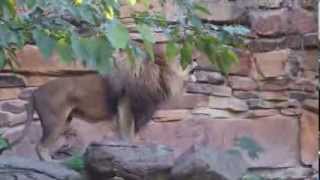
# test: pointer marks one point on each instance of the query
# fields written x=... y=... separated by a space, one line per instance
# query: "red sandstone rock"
x=245 y=94
x=275 y=85
x=26 y=147
x=310 y=59
x=224 y=11
x=293 y=41
x=209 y=77
x=272 y=64
x=4 y=119
x=209 y=89
x=9 y=93
x=274 y=95
x=311 y=40
x=309 y=135
x=187 y=101
x=228 y=103
x=11 y=81
x=301 y=21
x=278 y=136
x=278 y=22
x=269 y=23
x=171 y=115
x=269 y=4
x=312 y=105
x=30 y=59
x=215 y=113
x=245 y=64
x=13 y=106
x=262 y=113
x=242 y=83
x=304 y=85
x=291 y=111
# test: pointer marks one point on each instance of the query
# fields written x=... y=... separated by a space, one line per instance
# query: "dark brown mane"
x=145 y=91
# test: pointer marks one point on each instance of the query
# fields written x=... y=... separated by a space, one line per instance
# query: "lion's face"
x=181 y=76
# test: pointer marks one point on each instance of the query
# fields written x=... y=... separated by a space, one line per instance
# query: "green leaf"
x=96 y=52
x=78 y=45
x=226 y=60
x=117 y=34
x=186 y=54
x=109 y=12
x=148 y=39
x=149 y=48
x=8 y=9
x=31 y=3
x=9 y=37
x=3 y=143
x=132 y=2
x=2 y=59
x=236 y=30
x=231 y=56
x=45 y=43
x=250 y=145
x=105 y=66
x=133 y=52
x=76 y=162
x=217 y=53
x=206 y=43
x=100 y=53
x=199 y=7
x=146 y=33
x=90 y=50
x=171 y=50
x=75 y=45
x=104 y=58
x=196 y=22
x=65 y=51
x=87 y=13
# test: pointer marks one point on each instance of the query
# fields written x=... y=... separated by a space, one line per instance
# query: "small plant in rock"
x=247 y=144
x=76 y=162
x=3 y=144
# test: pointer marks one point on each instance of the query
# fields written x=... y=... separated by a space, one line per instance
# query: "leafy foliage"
x=247 y=144
x=93 y=30
x=76 y=162
x=3 y=144
x=117 y=34
x=250 y=145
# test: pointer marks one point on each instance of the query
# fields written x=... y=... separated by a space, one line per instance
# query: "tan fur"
x=129 y=95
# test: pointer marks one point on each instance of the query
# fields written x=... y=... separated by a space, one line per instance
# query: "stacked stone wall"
x=271 y=95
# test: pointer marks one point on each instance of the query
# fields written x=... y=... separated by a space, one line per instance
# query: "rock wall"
x=271 y=96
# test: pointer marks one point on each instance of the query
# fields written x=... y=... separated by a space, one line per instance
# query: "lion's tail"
x=30 y=111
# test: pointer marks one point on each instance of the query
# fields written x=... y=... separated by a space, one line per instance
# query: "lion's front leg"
x=125 y=120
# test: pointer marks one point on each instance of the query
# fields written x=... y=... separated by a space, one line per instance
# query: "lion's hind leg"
x=125 y=120
x=53 y=121
x=52 y=128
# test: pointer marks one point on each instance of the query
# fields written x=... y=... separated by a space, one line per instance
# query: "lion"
x=129 y=96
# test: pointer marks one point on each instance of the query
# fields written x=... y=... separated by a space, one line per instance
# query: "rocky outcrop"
x=270 y=96
x=150 y=161
x=207 y=164
x=129 y=161
x=19 y=168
